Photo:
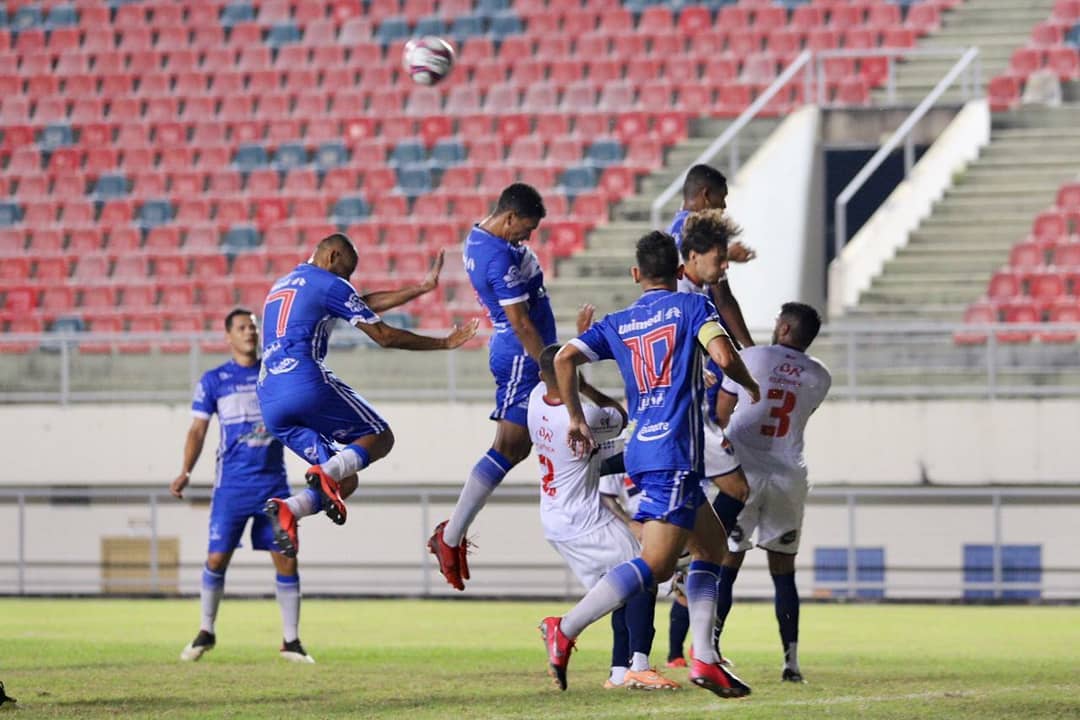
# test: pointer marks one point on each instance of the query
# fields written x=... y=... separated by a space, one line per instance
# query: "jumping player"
x=306 y=406
x=250 y=470
x=509 y=282
x=769 y=439
x=656 y=343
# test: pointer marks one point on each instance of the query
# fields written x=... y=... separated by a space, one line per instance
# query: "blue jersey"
x=657 y=344
x=299 y=314
x=248 y=456
x=675 y=229
x=503 y=274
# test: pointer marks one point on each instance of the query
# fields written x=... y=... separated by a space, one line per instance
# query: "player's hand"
x=431 y=280
x=585 y=317
x=580 y=438
x=754 y=391
x=462 y=334
x=710 y=378
x=739 y=253
x=176 y=487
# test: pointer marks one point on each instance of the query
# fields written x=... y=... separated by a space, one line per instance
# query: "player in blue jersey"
x=250 y=470
x=509 y=281
x=657 y=344
x=306 y=406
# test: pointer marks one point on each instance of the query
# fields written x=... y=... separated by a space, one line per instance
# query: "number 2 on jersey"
x=286 y=297
x=651 y=354
x=782 y=413
x=549 y=476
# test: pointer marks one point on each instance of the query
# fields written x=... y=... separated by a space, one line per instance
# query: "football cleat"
x=203 y=643
x=333 y=504
x=284 y=525
x=649 y=680
x=679 y=662
x=449 y=557
x=558 y=648
x=608 y=685
x=294 y=652
x=717 y=679
x=792 y=676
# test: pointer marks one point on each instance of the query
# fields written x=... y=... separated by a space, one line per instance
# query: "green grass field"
x=458 y=660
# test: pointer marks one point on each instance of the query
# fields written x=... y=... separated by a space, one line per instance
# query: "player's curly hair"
x=707 y=229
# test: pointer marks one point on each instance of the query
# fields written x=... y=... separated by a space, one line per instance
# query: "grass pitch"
x=458 y=660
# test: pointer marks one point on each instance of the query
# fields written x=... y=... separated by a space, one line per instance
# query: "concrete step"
x=869 y=311
x=945 y=263
x=931 y=279
x=967 y=237
x=918 y=295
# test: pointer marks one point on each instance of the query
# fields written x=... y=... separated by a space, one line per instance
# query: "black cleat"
x=203 y=643
x=792 y=676
x=294 y=652
x=4 y=697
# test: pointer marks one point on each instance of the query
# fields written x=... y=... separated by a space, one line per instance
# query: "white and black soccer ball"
x=427 y=59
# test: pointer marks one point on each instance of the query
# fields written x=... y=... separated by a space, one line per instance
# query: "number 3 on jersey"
x=651 y=353
x=782 y=413
x=286 y=297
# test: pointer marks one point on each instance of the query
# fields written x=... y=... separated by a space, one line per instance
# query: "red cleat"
x=449 y=558
x=558 y=648
x=333 y=504
x=463 y=558
x=717 y=679
x=284 y=526
x=677 y=662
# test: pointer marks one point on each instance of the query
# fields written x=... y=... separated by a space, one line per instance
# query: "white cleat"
x=294 y=652
x=203 y=643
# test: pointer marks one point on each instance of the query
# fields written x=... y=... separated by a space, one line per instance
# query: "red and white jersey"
x=569 y=490
x=793 y=385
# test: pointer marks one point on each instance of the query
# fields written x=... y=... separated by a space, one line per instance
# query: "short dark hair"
x=547 y=359
x=338 y=241
x=233 y=314
x=702 y=176
x=804 y=320
x=657 y=256
x=523 y=200
x=705 y=230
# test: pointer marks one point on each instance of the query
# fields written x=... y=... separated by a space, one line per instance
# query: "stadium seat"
x=1065 y=311
x=1004 y=285
x=1026 y=256
x=1004 y=93
x=977 y=314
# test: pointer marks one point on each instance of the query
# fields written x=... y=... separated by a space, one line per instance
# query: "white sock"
x=701 y=580
x=210 y=594
x=347 y=462
x=618 y=675
x=304 y=503
x=287 y=590
x=483 y=479
x=617 y=586
x=640 y=662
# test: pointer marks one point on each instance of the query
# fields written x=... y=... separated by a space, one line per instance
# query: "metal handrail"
x=729 y=134
x=902 y=133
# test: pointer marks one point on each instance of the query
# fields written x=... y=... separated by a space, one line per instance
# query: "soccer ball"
x=427 y=59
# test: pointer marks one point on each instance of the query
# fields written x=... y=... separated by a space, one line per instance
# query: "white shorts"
x=775 y=508
x=720 y=457
x=593 y=554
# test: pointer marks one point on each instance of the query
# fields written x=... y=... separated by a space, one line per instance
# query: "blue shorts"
x=515 y=378
x=314 y=419
x=671 y=496
x=230 y=510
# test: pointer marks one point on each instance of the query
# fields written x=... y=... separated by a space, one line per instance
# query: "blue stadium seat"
x=407 y=152
x=639 y=5
x=290 y=155
x=1073 y=36
x=283 y=34
x=26 y=17
x=331 y=154
x=155 y=212
x=237 y=13
x=506 y=24
x=111 y=186
x=392 y=29
x=577 y=180
x=447 y=152
x=66 y=325
x=10 y=212
x=430 y=26
x=250 y=156
x=62 y=15
x=604 y=152
x=467 y=26
x=55 y=135
x=413 y=181
x=239 y=239
x=348 y=210
x=3 y=16
x=491 y=7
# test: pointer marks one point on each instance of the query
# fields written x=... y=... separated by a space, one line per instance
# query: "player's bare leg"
x=287 y=590
x=210 y=594
x=448 y=543
x=782 y=569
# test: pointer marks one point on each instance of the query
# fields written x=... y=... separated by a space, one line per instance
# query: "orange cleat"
x=333 y=504
x=450 y=558
x=284 y=526
x=678 y=662
x=649 y=680
x=558 y=648
x=718 y=680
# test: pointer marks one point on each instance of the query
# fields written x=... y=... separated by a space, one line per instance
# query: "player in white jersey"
x=582 y=521
x=769 y=439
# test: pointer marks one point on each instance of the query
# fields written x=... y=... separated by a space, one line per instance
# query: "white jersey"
x=793 y=385
x=569 y=493
x=686 y=285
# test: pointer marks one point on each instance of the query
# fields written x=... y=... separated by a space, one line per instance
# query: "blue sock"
x=614 y=589
x=724 y=600
x=727 y=510
x=620 y=639
x=787 y=616
x=678 y=626
x=486 y=475
x=701 y=581
x=640 y=613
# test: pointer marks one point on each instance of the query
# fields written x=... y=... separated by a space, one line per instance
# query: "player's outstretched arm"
x=384 y=300
x=518 y=317
x=727 y=357
x=388 y=336
x=193 y=445
x=731 y=312
x=567 y=362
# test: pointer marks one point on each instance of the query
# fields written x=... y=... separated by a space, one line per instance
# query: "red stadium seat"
x=1025 y=61
x=1046 y=286
x=51 y=269
x=1049 y=227
x=99 y=298
x=208 y=267
x=1065 y=62
x=1026 y=256
x=123 y=239
x=1018 y=311
x=46 y=242
x=249 y=265
x=1004 y=285
x=1004 y=93
x=977 y=314
x=15 y=269
x=1066 y=311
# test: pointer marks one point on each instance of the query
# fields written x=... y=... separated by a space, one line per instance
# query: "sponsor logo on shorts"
x=789 y=537
x=655 y=431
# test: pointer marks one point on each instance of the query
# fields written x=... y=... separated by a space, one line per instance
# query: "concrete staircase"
x=996 y=27
x=950 y=257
